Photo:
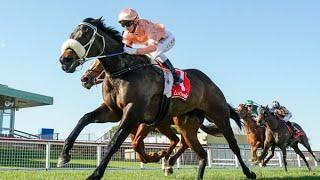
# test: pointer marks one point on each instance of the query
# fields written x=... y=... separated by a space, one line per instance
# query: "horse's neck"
x=250 y=124
x=273 y=123
x=118 y=62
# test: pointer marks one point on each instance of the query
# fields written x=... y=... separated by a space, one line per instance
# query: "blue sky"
x=260 y=50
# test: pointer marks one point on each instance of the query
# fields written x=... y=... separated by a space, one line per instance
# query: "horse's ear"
x=100 y=19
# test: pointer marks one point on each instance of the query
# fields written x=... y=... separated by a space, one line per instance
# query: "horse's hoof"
x=93 y=177
x=63 y=160
x=260 y=165
x=168 y=171
x=252 y=175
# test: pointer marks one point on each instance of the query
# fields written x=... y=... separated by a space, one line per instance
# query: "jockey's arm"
x=150 y=47
x=146 y=50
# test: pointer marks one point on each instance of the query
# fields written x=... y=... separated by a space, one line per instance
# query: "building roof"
x=21 y=99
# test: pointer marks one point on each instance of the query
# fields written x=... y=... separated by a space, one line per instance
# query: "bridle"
x=95 y=79
x=89 y=44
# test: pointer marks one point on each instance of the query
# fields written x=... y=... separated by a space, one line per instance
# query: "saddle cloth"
x=181 y=90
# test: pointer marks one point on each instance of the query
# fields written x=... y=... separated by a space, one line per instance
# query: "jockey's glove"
x=129 y=50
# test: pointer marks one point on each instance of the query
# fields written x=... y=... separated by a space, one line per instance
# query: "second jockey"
x=152 y=36
x=284 y=114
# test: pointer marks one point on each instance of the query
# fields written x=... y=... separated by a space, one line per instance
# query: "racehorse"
x=278 y=134
x=255 y=133
x=133 y=91
x=95 y=75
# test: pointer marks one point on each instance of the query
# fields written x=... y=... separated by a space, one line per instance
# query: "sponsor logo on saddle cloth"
x=176 y=91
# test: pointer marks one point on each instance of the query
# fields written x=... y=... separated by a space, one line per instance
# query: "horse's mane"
x=111 y=31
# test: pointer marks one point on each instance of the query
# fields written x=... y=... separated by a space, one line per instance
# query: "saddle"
x=172 y=90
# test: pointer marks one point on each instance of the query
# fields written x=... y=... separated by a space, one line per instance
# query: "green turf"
x=262 y=173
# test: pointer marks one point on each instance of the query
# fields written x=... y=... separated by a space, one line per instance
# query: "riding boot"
x=176 y=78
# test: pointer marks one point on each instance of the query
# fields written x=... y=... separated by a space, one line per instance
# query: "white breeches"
x=164 y=45
x=287 y=117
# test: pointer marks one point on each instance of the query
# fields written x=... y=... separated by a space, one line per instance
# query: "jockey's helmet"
x=275 y=104
x=128 y=14
x=249 y=102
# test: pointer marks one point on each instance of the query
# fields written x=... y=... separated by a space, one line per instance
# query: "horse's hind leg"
x=100 y=115
x=223 y=123
x=189 y=133
x=304 y=141
x=297 y=150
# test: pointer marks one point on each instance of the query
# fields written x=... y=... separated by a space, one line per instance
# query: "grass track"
x=264 y=173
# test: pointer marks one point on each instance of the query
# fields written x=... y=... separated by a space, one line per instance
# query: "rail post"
x=48 y=147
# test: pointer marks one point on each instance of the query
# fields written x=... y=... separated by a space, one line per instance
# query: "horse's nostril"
x=66 y=60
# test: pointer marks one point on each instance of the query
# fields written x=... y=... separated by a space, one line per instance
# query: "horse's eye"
x=84 y=28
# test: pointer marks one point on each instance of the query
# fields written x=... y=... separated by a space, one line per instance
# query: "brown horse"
x=93 y=77
x=278 y=134
x=133 y=91
x=255 y=133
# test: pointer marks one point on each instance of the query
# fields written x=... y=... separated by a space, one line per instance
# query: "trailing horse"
x=255 y=133
x=133 y=91
x=278 y=134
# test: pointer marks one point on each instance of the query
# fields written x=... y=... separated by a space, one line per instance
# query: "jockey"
x=252 y=107
x=284 y=114
x=153 y=36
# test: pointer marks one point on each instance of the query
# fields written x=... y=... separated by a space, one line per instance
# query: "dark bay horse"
x=278 y=134
x=133 y=91
x=95 y=75
x=255 y=133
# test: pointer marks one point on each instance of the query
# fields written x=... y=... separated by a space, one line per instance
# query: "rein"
x=128 y=69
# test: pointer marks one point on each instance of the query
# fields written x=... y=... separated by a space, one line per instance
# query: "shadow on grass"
x=300 y=177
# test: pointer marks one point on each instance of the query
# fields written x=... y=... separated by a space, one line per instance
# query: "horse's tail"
x=212 y=130
x=235 y=116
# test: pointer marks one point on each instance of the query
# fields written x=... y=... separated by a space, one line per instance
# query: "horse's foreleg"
x=128 y=121
x=189 y=133
x=297 y=150
x=138 y=144
x=284 y=157
x=264 y=153
x=253 y=150
x=269 y=155
x=183 y=146
x=166 y=130
x=101 y=114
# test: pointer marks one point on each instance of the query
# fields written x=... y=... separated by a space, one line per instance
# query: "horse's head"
x=93 y=75
x=85 y=41
x=242 y=109
x=263 y=115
